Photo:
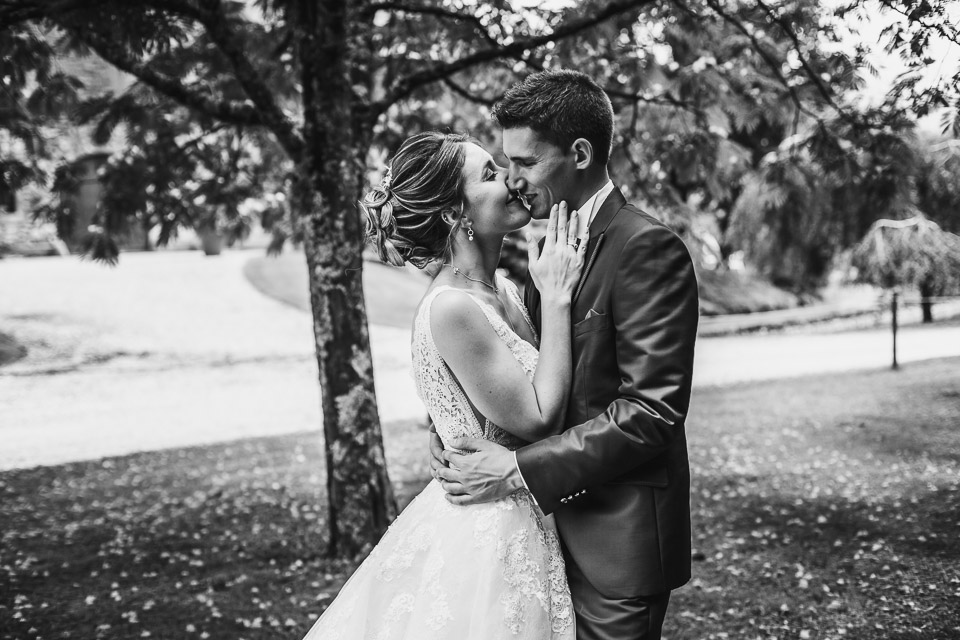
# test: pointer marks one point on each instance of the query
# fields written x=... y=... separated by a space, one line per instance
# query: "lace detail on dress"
x=440 y=391
x=529 y=580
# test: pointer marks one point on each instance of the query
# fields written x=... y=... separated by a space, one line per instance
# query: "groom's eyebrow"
x=521 y=158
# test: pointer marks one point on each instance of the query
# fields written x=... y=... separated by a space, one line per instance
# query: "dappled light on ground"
x=822 y=508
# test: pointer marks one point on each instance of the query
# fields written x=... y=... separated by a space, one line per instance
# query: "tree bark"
x=360 y=495
x=926 y=292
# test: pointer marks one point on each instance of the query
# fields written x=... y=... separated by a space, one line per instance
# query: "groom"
x=617 y=479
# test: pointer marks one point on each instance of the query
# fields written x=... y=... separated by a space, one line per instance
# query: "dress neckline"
x=514 y=296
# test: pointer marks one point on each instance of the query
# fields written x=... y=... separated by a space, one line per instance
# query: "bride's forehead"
x=475 y=157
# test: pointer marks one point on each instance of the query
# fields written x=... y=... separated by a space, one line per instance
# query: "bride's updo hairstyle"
x=405 y=213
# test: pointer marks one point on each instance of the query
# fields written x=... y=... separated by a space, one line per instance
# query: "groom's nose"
x=515 y=181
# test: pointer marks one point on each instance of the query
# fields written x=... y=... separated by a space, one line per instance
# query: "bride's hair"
x=405 y=213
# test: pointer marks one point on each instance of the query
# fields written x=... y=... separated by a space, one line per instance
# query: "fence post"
x=894 y=305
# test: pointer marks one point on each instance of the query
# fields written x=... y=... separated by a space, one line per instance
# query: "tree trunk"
x=926 y=292
x=360 y=495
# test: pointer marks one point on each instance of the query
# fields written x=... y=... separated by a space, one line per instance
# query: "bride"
x=492 y=570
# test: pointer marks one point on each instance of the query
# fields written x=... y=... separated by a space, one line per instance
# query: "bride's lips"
x=516 y=196
x=522 y=197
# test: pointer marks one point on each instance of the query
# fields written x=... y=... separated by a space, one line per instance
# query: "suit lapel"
x=593 y=247
x=606 y=214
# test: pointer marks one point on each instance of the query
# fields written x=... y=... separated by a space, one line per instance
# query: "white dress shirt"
x=588 y=211
x=590 y=208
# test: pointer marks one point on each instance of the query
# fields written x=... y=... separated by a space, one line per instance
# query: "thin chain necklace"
x=459 y=272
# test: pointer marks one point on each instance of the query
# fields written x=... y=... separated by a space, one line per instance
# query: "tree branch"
x=439 y=12
x=264 y=111
x=953 y=35
x=810 y=71
x=13 y=13
x=232 y=112
x=253 y=85
x=665 y=99
x=472 y=97
x=404 y=86
x=758 y=47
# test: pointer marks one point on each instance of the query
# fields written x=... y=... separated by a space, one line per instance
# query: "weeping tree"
x=937 y=192
x=912 y=252
x=818 y=192
x=322 y=82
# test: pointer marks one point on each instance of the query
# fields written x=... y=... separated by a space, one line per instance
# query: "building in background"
x=67 y=144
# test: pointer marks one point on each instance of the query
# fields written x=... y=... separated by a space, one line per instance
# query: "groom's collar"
x=607 y=211
x=588 y=209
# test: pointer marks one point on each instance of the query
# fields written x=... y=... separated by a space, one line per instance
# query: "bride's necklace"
x=459 y=272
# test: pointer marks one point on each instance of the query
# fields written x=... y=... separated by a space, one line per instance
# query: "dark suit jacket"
x=617 y=479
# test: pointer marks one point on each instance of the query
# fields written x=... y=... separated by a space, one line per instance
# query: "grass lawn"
x=823 y=508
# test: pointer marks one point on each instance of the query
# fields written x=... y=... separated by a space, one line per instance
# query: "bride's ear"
x=451 y=216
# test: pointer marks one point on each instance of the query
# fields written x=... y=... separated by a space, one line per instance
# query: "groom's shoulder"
x=633 y=219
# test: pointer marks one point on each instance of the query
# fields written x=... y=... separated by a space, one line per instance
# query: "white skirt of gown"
x=448 y=572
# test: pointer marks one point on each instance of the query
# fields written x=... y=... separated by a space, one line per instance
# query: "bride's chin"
x=517 y=208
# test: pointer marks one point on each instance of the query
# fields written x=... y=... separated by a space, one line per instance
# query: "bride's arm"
x=489 y=374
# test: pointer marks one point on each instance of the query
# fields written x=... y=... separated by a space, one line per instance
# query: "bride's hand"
x=556 y=270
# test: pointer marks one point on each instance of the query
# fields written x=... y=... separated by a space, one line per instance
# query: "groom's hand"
x=485 y=472
x=436 y=452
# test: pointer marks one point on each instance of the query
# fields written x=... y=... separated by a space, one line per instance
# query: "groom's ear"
x=582 y=153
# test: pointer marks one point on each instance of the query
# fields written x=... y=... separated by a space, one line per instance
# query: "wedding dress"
x=447 y=572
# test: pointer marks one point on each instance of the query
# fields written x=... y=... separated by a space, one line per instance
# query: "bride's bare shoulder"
x=457 y=322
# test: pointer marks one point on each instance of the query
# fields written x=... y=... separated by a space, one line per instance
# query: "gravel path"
x=131 y=359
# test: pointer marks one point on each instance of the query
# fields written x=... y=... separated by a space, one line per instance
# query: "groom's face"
x=542 y=173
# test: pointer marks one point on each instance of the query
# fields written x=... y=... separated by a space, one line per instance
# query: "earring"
x=470 y=234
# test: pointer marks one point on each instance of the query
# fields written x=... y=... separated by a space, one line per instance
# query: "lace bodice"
x=440 y=391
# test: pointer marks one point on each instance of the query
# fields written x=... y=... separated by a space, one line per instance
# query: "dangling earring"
x=470 y=234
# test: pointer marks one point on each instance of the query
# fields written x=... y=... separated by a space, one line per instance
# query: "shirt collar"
x=589 y=209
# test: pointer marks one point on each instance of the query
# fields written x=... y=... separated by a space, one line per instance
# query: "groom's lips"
x=519 y=197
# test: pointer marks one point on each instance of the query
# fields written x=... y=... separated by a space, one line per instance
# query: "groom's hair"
x=561 y=106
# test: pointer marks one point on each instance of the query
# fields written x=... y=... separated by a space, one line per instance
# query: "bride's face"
x=491 y=208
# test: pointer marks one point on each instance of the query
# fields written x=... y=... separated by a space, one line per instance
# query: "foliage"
x=822 y=507
x=817 y=193
x=938 y=194
x=912 y=252
x=35 y=93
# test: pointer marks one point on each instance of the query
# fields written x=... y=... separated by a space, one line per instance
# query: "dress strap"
x=499 y=325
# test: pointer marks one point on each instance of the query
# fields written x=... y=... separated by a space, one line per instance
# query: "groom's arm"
x=655 y=314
